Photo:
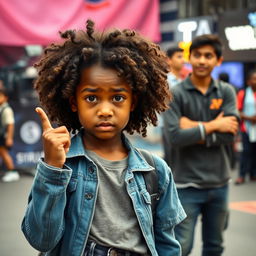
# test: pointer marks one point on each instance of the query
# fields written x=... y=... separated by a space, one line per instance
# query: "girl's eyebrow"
x=90 y=90
x=119 y=90
x=96 y=90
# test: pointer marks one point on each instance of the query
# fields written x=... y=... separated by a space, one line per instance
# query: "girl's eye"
x=91 y=98
x=118 y=98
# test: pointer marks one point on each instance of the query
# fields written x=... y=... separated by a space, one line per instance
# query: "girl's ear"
x=73 y=105
x=134 y=102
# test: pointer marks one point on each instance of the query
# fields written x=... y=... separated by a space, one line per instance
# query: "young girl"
x=89 y=196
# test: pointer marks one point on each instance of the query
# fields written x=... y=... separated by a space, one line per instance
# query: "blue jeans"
x=212 y=204
x=90 y=250
x=247 y=160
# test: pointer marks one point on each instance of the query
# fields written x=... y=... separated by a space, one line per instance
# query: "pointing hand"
x=56 y=141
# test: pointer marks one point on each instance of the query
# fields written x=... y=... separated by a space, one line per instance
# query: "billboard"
x=237 y=30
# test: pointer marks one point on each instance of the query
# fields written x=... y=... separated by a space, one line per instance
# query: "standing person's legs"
x=253 y=167
x=191 y=200
x=245 y=159
x=11 y=175
x=4 y=154
x=214 y=222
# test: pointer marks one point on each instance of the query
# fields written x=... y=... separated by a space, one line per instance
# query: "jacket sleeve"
x=169 y=213
x=178 y=137
x=43 y=224
x=229 y=108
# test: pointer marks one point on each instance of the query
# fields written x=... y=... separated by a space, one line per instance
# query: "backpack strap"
x=151 y=179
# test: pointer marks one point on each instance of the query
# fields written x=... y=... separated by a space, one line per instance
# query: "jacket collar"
x=77 y=146
x=136 y=162
x=190 y=86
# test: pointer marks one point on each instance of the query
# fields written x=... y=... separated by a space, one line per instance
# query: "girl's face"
x=103 y=102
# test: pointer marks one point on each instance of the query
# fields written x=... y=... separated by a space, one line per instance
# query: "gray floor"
x=239 y=238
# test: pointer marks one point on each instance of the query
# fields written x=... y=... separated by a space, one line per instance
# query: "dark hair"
x=170 y=51
x=250 y=74
x=224 y=77
x=141 y=62
x=3 y=91
x=212 y=40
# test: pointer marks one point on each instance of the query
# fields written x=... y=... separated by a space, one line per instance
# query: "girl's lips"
x=105 y=126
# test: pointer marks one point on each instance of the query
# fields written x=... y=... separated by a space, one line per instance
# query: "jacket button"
x=91 y=169
x=88 y=196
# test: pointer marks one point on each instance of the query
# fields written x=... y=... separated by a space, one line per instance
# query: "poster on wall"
x=27 y=148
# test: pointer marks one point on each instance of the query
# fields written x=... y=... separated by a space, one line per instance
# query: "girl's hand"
x=56 y=141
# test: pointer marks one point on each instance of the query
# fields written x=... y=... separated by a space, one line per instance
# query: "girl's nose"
x=105 y=110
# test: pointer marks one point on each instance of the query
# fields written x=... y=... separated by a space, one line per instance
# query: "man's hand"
x=224 y=124
x=251 y=119
x=56 y=142
x=221 y=123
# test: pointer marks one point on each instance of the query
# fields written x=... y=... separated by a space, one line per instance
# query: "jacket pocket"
x=72 y=185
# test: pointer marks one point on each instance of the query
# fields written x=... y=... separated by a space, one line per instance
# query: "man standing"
x=246 y=102
x=201 y=121
x=176 y=62
x=6 y=136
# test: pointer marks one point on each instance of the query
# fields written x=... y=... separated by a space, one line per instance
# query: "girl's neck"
x=109 y=149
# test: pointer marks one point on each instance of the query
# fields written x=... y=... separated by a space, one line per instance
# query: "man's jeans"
x=212 y=204
x=247 y=160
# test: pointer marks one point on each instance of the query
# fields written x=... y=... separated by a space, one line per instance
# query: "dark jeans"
x=92 y=249
x=212 y=205
x=248 y=157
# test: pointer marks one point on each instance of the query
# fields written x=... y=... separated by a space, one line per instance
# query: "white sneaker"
x=11 y=176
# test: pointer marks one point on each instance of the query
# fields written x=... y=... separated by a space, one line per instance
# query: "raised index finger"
x=44 y=119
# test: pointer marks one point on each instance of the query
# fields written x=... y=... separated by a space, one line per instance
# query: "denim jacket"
x=62 y=201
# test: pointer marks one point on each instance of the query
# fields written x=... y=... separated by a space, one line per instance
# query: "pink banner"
x=24 y=22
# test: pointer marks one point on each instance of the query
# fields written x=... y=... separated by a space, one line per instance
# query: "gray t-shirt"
x=114 y=223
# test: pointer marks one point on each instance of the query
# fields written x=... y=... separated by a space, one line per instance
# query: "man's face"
x=252 y=81
x=203 y=60
x=177 y=61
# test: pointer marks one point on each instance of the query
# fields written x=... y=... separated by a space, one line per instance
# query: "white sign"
x=241 y=37
x=188 y=29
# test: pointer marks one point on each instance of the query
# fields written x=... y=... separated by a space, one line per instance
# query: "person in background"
x=201 y=120
x=223 y=76
x=6 y=136
x=89 y=196
x=176 y=62
x=246 y=103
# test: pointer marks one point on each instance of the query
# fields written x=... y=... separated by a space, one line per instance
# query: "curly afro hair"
x=141 y=62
